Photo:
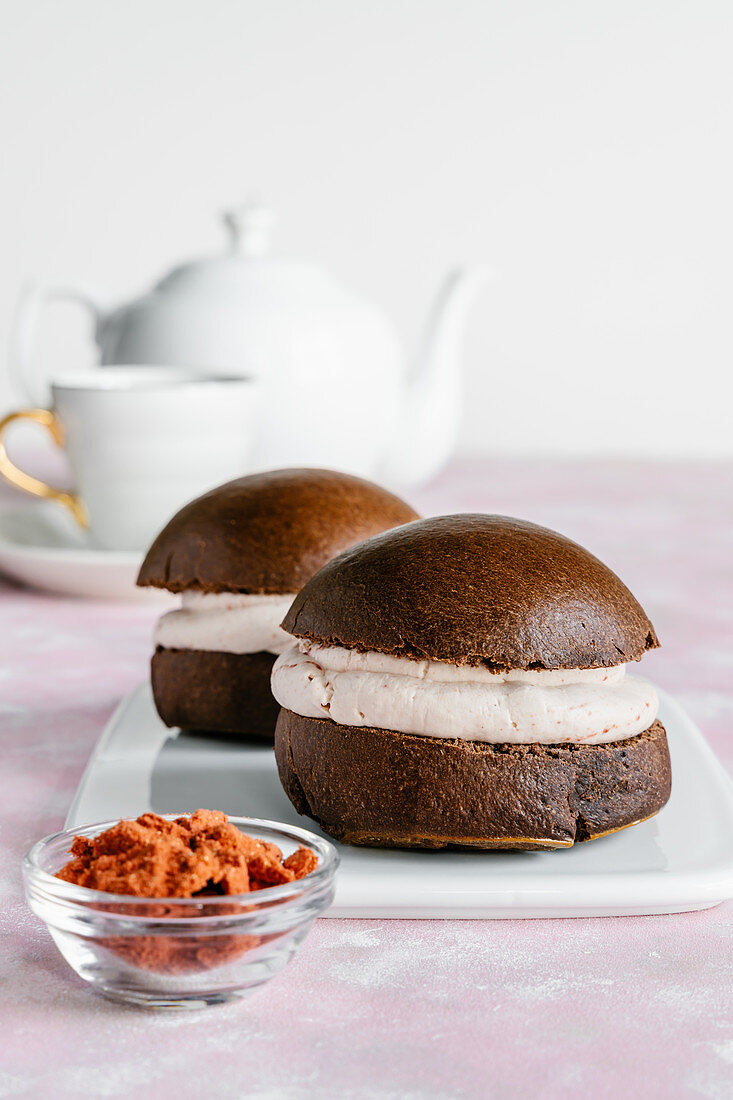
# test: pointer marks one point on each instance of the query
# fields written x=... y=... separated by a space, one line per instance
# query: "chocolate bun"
x=265 y=534
x=268 y=533
x=475 y=589
x=383 y=789
x=215 y=692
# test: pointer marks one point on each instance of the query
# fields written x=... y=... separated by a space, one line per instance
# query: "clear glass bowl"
x=179 y=952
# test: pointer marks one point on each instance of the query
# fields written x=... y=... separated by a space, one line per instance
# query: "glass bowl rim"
x=72 y=893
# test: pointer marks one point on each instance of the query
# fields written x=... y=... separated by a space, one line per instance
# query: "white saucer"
x=677 y=861
x=41 y=546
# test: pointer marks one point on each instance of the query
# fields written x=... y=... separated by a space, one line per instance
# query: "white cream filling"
x=226 y=622
x=439 y=699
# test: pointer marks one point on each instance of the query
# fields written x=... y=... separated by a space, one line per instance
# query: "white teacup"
x=141 y=441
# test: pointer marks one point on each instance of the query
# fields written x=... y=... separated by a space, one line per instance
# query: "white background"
x=584 y=149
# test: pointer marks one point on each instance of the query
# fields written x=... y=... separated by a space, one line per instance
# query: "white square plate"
x=680 y=860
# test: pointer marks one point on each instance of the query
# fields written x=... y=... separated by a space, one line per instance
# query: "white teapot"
x=333 y=388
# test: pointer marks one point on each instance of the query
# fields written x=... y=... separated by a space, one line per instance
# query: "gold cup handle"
x=33 y=485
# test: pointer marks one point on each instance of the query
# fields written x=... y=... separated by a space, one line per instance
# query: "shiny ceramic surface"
x=141 y=442
x=42 y=547
x=679 y=860
x=336 y=389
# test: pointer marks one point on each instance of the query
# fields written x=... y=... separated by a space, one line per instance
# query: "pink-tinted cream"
x=439 y=699
x=226 y=622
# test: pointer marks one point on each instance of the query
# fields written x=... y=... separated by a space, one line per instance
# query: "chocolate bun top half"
x=268 y=533
x=475 y=589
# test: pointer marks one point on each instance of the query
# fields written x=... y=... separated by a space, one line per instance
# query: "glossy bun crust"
x=475 y=589
x=269 y=532
x=383 y=789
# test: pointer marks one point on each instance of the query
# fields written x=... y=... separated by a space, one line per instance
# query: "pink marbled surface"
x=397 y=1009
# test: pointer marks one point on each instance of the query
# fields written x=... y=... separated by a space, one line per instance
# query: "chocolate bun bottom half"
x=215 y=692
x=483 y=592
x=259 y=536
x=393 y=790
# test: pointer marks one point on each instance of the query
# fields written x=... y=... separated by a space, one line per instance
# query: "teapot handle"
x=23 y=333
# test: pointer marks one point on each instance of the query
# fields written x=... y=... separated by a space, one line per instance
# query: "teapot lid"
x=249 y=228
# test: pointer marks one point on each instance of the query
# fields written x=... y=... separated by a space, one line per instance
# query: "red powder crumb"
x=191 y=856
x=198 y=856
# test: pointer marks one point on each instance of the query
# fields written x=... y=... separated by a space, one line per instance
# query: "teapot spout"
x=433 y=393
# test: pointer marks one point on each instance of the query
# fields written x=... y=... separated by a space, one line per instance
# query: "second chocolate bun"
x=258 y=537
x=268 y=533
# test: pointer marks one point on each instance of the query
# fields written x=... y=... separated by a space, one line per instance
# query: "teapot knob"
x=249 y=227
